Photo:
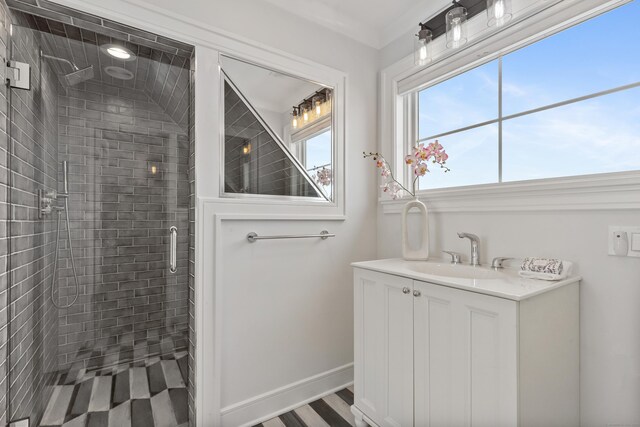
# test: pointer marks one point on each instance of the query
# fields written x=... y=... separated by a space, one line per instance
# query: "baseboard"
x=276 y=402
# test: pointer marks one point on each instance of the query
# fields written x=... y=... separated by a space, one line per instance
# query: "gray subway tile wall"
x=162 y=75
x=33 y=165
x=62 y=15
x=128 y=173
x=132 y=176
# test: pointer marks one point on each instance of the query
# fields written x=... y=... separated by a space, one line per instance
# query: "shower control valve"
x=45 y=202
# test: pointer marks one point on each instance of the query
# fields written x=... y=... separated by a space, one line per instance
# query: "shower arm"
x=55 y=58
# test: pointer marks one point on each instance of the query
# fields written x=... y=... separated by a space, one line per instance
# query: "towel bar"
x=324 y=234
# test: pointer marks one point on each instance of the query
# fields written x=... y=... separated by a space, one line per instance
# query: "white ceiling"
x=266 y=89
x=373 y=22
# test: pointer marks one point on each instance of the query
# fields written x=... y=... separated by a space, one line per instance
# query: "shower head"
x=79 y=76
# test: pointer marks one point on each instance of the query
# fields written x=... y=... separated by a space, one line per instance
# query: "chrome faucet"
x=475 y=247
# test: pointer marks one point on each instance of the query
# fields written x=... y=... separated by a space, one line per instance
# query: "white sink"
x=454 y=270
x=504 y=283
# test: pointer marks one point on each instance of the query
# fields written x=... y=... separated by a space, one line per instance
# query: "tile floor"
x=109 y=351
x=333 y=410
x=149 y=393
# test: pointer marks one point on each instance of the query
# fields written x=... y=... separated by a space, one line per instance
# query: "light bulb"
x=498 y=10
x=423 y=53
x=457 y=29
x=294 y=122
x=318 y=108
x=305 y=116
x=422 y=49
x=456 y=20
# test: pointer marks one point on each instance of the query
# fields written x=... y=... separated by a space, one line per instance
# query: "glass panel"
x=575 y=62
x=467 y=99
x=99 y=168
x=595 y=136
x=473 y=159
x=265 y=149
x=317 y=159
x=255 y=162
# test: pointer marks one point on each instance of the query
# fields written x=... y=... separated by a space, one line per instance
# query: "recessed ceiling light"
x=118 y=73
x=119 y=52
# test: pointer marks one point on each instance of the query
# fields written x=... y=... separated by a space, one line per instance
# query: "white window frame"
x=304 y=134
x=298 y=143
x=401 y=82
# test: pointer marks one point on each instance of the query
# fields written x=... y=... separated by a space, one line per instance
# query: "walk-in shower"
x=98 y=209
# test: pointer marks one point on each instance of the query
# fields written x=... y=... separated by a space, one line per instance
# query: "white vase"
x=421 y=253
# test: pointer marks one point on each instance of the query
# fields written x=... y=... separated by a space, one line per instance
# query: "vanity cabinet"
x=433 y=355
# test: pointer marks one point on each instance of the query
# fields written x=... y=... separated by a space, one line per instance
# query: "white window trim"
x=311 y=130
x=609 y=191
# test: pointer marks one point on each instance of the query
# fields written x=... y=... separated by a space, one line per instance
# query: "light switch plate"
x=634 y=242
x=633 y=236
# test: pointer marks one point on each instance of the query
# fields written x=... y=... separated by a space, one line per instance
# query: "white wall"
x=610 y=290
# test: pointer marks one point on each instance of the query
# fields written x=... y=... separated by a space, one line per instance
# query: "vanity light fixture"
x=311 y=109
x=498 y=12
x=452 y=22
x=119 y=52
x=456 y=20
x=422 y=50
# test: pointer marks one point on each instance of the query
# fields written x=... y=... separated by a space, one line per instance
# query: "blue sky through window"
x=318 y=154
x=599 y=54
x=594 y=136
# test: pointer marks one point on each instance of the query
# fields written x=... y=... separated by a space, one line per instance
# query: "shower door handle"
x=173 y=266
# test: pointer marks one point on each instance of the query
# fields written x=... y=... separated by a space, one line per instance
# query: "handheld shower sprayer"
x=64 y=195
x=65 y=178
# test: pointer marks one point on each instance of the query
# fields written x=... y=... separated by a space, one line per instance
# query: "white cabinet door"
x=384 y=348
x=435 y=367
x=465 y=358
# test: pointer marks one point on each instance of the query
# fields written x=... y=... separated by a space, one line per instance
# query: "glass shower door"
x=99 y=201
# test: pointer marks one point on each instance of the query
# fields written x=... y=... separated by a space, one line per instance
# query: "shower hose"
x=55 y=259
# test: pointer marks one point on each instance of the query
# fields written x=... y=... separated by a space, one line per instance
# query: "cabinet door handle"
x=417 y=293
x=406 y=290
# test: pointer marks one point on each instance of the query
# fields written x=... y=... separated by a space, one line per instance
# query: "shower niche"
x=100 y=175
